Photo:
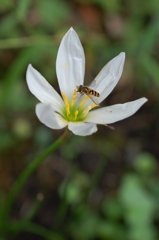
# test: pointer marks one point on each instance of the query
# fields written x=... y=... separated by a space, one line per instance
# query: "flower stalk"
x=25 y=175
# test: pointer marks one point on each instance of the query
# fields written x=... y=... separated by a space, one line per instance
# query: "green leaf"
x=145 y=163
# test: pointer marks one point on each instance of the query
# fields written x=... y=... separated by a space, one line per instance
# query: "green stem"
x=25 y=174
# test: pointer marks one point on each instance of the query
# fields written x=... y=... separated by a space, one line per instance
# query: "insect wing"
x=93 y=98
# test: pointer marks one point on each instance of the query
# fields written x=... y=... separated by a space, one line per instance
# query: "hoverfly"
x=89 y=92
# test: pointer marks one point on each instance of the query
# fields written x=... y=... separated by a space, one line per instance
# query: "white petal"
x=108 y=77
x=42 y=90
x=70 y=63
x=47 y=116
x=111 y=114
x=82 y=129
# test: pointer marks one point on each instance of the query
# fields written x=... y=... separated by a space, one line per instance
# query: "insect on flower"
x=81 y=117
x=89 y=92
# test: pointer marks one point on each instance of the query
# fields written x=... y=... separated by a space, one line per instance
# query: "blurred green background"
x=100 y=187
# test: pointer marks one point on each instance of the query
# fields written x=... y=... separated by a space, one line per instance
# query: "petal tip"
x=141 y=101
x=71 y=29
x=122 y=55
x=28 y=70
x=144 y=99
x=30 y=67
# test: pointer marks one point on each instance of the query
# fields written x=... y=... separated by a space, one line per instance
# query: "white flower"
x=70 y=110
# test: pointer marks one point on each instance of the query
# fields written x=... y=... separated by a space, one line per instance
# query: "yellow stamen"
x=86 y=110
x=94 y=105
x=76 y=113
x=73 y=98
x=89 y=108
x=84 y=100
x=66 y=103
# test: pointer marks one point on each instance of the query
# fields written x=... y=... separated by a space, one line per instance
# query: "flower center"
x=76 y=112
